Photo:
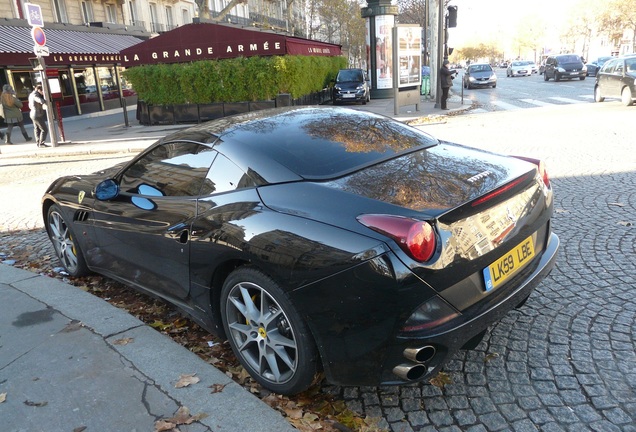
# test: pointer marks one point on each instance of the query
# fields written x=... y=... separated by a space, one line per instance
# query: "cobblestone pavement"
x=566 y=361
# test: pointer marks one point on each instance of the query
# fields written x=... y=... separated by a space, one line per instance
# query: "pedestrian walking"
x=446 y=79
x=12 y=113
x=37 y=107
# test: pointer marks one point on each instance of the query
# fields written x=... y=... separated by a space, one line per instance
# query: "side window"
x=225 y=176
x=172 y=169
x=619 y=67
x=608 y=67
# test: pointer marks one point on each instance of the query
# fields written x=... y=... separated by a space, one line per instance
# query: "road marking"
x=566 y=100
x=505 y=105
x=536 y=102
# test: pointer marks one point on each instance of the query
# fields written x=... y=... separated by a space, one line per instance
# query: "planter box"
x=186 y=113
x=142 y=113
x=283 y=100
x=231 y=108
x=161 y=114
x=210 y=111
x=261 y=105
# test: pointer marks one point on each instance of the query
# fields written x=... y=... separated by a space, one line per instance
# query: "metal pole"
x=49 y=107
x=440 y=51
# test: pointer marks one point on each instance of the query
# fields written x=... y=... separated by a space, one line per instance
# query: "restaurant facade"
x=86 y=61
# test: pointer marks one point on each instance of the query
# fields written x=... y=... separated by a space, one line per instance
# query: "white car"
x=519 y=68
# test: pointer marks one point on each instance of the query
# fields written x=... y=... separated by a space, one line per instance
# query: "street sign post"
x=34 y=17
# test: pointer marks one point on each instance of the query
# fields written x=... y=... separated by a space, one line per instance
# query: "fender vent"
x=81 y=216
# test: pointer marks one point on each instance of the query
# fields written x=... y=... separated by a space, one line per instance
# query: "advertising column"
x=380 y=19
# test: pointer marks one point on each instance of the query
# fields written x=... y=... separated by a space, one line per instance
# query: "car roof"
x=316 y=143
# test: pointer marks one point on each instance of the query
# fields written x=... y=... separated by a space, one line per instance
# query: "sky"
x=500 y=19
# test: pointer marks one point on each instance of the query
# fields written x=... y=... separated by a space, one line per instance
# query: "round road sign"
x=38 y=36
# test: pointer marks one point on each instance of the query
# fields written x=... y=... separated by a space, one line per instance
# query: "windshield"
x=353 y=75
x=569 y=59
x=480 y=68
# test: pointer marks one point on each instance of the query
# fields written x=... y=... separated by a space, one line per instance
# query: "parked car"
x=519 y=68
x=533 y=67
x=317 y=239
x=479 y=75
x=594 y=66
x=564 y=66
x=617 y=79
x=351 y=85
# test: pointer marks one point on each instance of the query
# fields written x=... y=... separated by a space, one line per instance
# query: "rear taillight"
x=415 y=237
x=543 y=172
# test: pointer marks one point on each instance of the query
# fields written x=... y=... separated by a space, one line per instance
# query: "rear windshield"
x=319 y=143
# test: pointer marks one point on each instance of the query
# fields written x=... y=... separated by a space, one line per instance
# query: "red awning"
x=201 y=41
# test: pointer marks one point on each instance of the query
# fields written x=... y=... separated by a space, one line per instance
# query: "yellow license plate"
x=506 y=266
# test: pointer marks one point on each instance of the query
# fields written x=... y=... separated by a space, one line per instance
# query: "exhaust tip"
x=410 y=372
x=420 y=355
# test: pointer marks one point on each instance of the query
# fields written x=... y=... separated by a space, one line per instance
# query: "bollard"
x=123 y=101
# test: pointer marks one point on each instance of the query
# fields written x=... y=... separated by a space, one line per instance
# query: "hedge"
x=233 y=80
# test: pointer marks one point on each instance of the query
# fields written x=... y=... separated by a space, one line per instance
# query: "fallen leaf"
x=625 y=223
x=186 y=380
x=217 y=388
x=124 y=341
x=616 y=204
x=35 y=404
x=490 y=356
x=79 y=429
x=73 y=326
x=162 y=425
x=183 y=417
x=441 y=379
x=3 y=397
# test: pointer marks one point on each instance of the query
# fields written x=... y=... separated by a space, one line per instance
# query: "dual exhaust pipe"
x=417 y=368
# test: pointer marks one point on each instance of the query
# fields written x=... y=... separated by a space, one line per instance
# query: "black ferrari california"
x=317 y=239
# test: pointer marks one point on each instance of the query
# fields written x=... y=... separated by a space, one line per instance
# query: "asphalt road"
x=566 y=361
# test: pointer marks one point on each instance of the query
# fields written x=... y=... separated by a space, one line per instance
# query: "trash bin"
x=425 y=89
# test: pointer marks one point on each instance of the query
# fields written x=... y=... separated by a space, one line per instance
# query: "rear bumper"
x=465 y=329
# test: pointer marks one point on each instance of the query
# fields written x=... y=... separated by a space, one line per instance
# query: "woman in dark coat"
x=446 y=79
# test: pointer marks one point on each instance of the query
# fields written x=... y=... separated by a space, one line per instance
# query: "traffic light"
x=452 y=16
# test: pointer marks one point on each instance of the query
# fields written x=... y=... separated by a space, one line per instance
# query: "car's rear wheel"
x=597 y=95
x=266 y=332
x=557 y=78
x=66 y=247
x=582 y=78
x=626 y=97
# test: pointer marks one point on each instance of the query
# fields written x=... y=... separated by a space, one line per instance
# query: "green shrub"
x=233 y=80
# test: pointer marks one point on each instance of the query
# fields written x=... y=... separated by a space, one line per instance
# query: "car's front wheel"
x=545 y=76
x=64 y=242
x=267 y=334
x=626 y=97
x=582 y=78
x=597 y=95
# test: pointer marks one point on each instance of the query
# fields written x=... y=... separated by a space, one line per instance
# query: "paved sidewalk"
x=70 y=360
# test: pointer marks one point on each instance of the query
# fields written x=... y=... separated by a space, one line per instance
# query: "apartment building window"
x=155 y=26
x=59 y=10
x=111 y=13
x=87 y=12
x=132 y=7
x=185 y=16
x=169 y=18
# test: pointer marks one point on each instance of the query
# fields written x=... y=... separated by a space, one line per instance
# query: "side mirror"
x=106 y=190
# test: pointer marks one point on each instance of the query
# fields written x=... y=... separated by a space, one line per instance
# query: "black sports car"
x=317 y=238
